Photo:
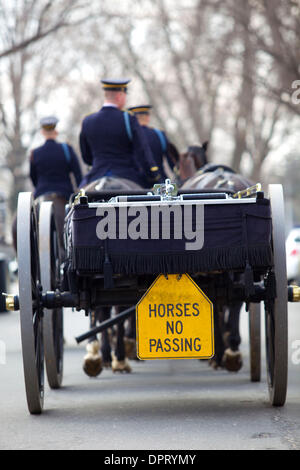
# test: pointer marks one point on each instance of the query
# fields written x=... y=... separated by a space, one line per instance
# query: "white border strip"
x=204 y=202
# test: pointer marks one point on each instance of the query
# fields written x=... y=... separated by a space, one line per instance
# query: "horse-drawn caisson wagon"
x=177 y=257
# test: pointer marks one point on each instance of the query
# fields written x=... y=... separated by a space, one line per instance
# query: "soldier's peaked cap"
x=115 y=85
x=143 y=109
x=49 y=122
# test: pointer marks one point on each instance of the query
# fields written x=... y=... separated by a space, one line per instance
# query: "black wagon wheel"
x=255 y=342
x=31 y=312
x=50 y=277
x=276 y=309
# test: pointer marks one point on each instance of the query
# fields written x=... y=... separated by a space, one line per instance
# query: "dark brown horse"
x=194 y=175
x=111 y=351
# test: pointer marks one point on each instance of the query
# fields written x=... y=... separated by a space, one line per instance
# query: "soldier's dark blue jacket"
x=113 y=149
x=158 y=142
x=50 y=169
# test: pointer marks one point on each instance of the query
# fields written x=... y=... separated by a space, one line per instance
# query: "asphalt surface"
x=162 y=405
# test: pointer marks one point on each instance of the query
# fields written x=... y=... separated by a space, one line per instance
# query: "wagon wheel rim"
x=53 y=319
x=255 y=342
x=276 y=310
x=31 y=312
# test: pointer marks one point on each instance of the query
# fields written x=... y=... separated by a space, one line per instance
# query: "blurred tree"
x=291 y=183
x=204 y=69
x=275 y=33
x=213 y=69
x=27 y=22
x=28 y=73
x=268 y=34
x=167 y=47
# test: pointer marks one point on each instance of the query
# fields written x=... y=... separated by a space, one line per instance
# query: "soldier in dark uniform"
x=113 y=143
x=157 y=139
x=51 y=167
x=52 y=163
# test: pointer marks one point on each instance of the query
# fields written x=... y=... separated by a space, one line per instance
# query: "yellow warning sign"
x=175 y=320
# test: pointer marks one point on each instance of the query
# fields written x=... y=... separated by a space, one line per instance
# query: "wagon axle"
x=53 y=300
x=50 y=300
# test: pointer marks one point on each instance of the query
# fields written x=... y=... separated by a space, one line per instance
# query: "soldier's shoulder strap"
x=127 y=124
x=66 y=152
x=162 y=138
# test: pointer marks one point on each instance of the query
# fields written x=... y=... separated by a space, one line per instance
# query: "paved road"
x=161 y=405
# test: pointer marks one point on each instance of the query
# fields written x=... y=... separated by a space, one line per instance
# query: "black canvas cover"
x=234 y=235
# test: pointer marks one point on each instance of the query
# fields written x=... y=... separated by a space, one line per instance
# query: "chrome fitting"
x=294 y=293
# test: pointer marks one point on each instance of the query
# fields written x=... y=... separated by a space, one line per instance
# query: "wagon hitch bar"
x=105 y=325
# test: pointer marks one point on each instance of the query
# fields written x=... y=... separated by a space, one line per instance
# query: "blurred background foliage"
x=224 y=71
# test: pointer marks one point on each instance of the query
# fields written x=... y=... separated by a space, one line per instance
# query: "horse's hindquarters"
x=108 y=182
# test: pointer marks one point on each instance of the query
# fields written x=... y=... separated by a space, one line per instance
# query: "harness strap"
x=204 y=182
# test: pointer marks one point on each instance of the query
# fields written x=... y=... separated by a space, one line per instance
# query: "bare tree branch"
x=42 y=32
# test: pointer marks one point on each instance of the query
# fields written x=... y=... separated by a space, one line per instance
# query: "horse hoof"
x=130 y=348
x=107 y=365
x=120 y=366
x=92 y=362
x=214 y=364
x=232 y=360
